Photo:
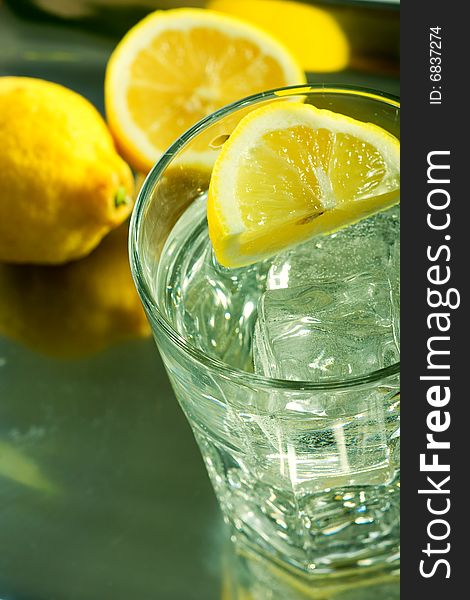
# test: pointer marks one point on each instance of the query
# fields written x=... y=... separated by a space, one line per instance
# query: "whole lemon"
x=62 y=184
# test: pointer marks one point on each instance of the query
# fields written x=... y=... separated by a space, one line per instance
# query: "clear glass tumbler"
x=307 y=474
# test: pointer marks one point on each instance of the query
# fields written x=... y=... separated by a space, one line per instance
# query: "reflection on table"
x=75 y=309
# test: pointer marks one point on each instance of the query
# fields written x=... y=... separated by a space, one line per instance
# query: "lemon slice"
x=177 y=66
x=290 y=171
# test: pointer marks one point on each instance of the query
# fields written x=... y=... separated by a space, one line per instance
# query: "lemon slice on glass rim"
x=290 y=171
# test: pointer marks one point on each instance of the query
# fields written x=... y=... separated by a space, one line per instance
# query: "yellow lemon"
x=312 y=34
x=63 y=184
x=290 y=171
x=177 y=66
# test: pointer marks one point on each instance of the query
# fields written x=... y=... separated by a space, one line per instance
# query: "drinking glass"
x=306 y=473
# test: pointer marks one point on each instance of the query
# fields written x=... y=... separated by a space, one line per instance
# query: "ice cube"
x=316 y=333
x=325 y=330
x=365 y=247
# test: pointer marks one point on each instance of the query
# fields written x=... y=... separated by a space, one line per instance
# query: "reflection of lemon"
x=176 y=190
x=177 y=66
x=290 y=171
x=63 y=187
x=75 y=309
x=18 y=467
x=249 y=576
x=311 y=34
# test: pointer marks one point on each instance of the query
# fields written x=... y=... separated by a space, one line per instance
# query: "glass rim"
x=143 y=199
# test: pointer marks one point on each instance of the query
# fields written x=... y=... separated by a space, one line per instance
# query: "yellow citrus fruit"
x=63 y=184
x=290 y=171
x=177 y=66
x=312 y=34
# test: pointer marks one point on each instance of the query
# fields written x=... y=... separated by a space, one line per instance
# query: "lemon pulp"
x=290 y=171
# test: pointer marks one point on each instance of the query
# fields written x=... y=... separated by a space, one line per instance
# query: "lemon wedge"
x=290 y=171
x=176 y=67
